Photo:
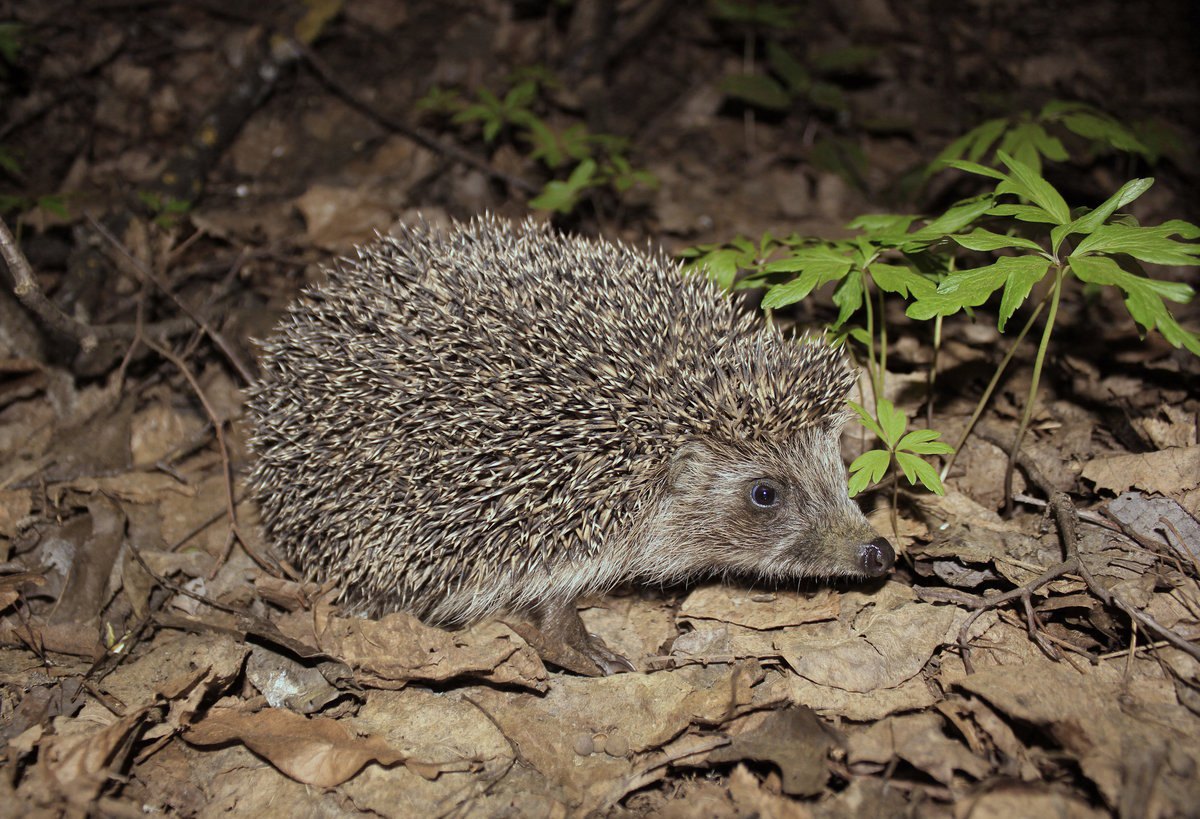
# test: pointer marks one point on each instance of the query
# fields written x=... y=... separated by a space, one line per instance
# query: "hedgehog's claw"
x=567 y=644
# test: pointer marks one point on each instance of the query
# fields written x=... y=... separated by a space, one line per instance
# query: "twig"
x=226 y=465
x=148 y=275
x=26 y=289
x=30 y=294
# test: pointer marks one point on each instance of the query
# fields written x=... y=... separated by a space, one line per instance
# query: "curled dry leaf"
x=317 y=751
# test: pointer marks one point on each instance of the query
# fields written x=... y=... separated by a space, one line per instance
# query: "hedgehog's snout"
x=875 y=559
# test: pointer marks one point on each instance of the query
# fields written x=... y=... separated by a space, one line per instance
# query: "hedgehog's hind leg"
x=566 y=642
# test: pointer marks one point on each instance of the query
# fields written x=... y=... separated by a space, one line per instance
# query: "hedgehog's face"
x=779 y=511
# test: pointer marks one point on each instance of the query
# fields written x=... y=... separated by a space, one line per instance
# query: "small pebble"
x=616 y=746
x=585 y=745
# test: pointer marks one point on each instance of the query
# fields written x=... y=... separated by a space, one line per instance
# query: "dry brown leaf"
x=77 y=761
x=758 y=610
x=1005 y=800
x=337 y=218
x=633 y=713
x=455 y=736
x=1129 y=734
x=920 y=740
x=862 y=706
x=399 y=648
x=317 y=751
x=1167 y=472
x=137 y=487
x=15 y=506
x=794 y=739
x=885 y=642
x=159 y=429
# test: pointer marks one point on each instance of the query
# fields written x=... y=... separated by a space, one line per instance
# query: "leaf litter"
x=153 y=659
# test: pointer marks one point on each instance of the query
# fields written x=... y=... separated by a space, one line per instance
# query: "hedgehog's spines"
x=467 y=409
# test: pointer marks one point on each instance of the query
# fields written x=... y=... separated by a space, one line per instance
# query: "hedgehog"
x=496 y=418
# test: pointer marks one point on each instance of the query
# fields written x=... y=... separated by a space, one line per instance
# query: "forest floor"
x=176 y=172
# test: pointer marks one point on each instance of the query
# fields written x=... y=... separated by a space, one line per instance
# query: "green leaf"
x=867 y=469
x=963 y=288
x=848 y=296
x=924 y=442
x=919 y=470
x=891 y=420
x=971 y=288
x=55 y=204
x=1143 y=297
x=953 y=220
x=973 y=144
x=815 y=274
x=1024 y=273
x=1089 y=222
x=828 y=96
x=845 y=59
x=975 y=168
x=782 y=62
x=1047 y=145
x=883 y=226
x=757 y=90
x=866 y=419
x=1023 y=213
x=980 y=239
x=901 y=279
x=1150 y=244
x=1030 y=185
x=1105 y=130
x=1104 y=270
x=8 y=162
x=562 y=196
x=10 y=41
x=520 y=95
x=472 y=113
x=722 y=266
x=545 y=145
x=819 y=257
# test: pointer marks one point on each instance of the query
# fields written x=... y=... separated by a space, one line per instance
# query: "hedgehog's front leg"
x=568 y=644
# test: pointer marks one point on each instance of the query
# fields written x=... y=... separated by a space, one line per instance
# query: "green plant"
x=788 y=80
x=888 y=256
x=14 y=203
x=1108 y=253
x=900 y=448
x=10 y=45
x=772 y=16
x=927 y=264
x=1030 y=137
x=591 y=161
x=165 y=210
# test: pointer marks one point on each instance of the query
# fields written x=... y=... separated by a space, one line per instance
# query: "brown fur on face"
x=710 y=521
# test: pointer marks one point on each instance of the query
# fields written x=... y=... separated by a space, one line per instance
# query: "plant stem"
x=987 y=393
x=895 y=501
x=1033 y=386
x=931 y=382
x=883 y=342
x=871 y=369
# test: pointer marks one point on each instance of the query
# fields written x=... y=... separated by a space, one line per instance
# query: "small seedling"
x=596 y=161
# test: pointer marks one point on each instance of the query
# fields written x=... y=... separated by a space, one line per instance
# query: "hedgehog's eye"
x=764 y=494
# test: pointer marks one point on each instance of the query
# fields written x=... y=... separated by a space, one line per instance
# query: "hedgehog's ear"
x=687 y=467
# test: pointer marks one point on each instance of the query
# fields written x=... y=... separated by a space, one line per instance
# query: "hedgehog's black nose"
x=876 y=558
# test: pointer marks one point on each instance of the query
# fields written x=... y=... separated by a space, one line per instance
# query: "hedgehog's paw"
x=564 y=641
x=604 y=658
